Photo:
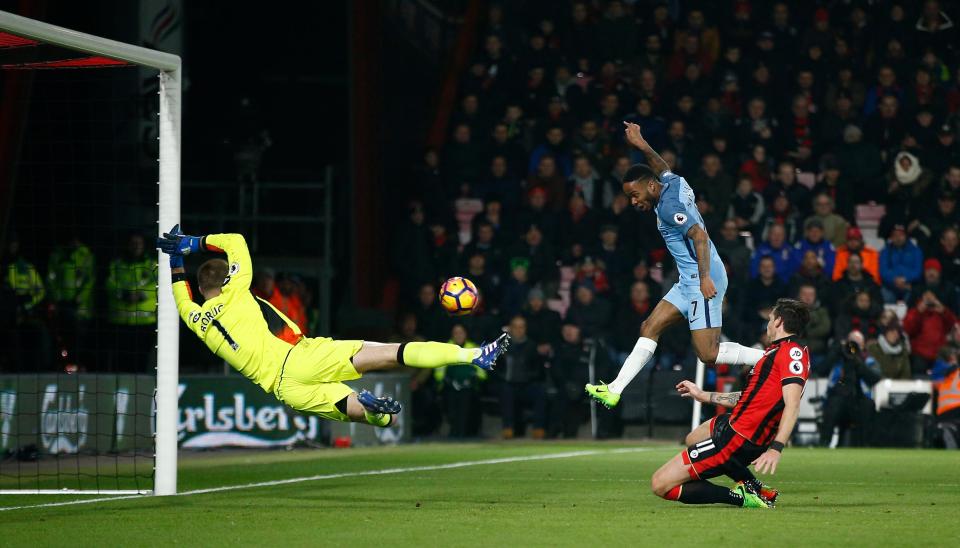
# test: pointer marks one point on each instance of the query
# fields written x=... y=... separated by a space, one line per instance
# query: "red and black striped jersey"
x=757 y=414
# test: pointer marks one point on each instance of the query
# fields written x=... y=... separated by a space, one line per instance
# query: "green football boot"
x=751 y=500
x=603 y=394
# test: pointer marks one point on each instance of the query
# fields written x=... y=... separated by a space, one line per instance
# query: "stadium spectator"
x=586 y=182
x=839 y=190
x=579 y=223
x=834 y=226
x=928 y=322
x=860 y=160
x=513 y=294
x=869 y=256
x=813 y=241
x=733 y=251
x=615 y=258
x=543 y=324
x=70 y=282
x=861 y=314
x=762 y=293
x=31 y=345
x=783 y=255
x=132 y=307
x=782 y=213
x=810 y=273
x=554 y=146
x=933 y=281
x=946 y=376
x=460 y=390
x=500 y=185
x=548 y=179
x=713 y=181
x=948 y=254
x=901 y=264
x=501 y=144
x=747 y=207
x=854 y=280
x=935 y=220
x=891 y=350
x=756 y=168
x=852 y=374
x=462 y=157
x=411 y=255
x=590 y=312
x=819 y=329
x=522 y=384
x=570 y=370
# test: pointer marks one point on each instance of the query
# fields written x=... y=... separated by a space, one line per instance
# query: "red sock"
x=674 y=494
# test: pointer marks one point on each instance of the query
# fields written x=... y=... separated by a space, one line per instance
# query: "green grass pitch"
x=597 y=496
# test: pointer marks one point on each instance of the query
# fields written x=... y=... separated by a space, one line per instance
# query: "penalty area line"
x=381 y=472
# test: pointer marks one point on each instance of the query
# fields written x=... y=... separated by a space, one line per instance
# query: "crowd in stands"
x=821 y=140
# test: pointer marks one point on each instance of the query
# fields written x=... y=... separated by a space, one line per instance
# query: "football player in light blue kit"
x=698 y=297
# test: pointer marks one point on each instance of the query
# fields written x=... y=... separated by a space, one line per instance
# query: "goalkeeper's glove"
x=178 y=243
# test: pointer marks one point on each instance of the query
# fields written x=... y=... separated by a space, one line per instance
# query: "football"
x=458 y=296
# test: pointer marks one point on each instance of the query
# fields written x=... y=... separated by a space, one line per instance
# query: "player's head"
x=641 y=185
x=211 y=276
x=789 y=317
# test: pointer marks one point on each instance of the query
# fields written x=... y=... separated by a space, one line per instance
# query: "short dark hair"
x=638 y=172
x=795 y=315
x=212 y=274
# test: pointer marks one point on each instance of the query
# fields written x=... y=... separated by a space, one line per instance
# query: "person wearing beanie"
x=869 y=255
x=934 y=282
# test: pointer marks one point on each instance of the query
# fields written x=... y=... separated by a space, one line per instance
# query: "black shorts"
x=721 y=453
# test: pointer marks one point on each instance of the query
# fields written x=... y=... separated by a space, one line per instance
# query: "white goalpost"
x=167 y=342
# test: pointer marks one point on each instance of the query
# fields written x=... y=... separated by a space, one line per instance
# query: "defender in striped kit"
x=754 y=432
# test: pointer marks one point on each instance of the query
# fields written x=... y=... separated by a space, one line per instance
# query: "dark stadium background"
x=367 y=87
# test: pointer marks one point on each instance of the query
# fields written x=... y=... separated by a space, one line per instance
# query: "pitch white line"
x=385 y=471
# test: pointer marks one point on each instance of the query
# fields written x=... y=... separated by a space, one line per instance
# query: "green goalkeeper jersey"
x=234 y=324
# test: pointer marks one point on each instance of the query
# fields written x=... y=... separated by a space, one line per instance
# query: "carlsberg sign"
x=228 y=411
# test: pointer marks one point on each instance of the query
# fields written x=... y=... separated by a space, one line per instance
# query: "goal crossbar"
x=169 y=67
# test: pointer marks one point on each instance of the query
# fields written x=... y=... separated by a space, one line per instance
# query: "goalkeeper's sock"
x=431 y=355
x=641 y=354
x=378 y=419
x=704 y=492
x=731 y=353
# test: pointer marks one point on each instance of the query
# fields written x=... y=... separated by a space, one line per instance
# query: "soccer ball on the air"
x=458 y=296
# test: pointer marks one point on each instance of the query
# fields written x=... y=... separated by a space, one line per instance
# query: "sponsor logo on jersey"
x=195 y=317
x=694 y=454
x=679 y=218
x=796 y=353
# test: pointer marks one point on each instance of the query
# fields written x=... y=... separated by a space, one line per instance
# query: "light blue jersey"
x=676 y=214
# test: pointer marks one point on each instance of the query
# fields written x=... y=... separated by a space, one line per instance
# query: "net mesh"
x=78 y=276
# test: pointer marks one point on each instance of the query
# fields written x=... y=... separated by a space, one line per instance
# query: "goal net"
x=89 y=175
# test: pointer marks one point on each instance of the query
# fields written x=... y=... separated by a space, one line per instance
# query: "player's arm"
x=701 y=243
x=688 y=389
x=189 y=310
x=767 y=462
x=240 y=273
x=636 y=139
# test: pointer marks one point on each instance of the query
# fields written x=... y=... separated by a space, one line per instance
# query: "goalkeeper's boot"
x=766 y=492
x=384 y=404
x=751 y=500
x=601 y=392
x=489 y=352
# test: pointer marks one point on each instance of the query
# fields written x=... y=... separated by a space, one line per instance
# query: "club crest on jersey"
x=679 y=218
x=694 y=454
x=796 y=353
x=796 y=367
x=234 y=268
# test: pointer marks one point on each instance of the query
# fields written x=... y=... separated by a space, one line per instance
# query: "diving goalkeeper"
x=306 y=373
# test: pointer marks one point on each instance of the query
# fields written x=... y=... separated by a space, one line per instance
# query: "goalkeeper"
x=305 y=373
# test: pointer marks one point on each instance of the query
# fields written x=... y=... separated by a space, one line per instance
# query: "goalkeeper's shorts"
x=312 y=375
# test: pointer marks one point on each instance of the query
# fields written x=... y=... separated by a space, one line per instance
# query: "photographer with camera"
x=852 y=373
x=928 y=322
